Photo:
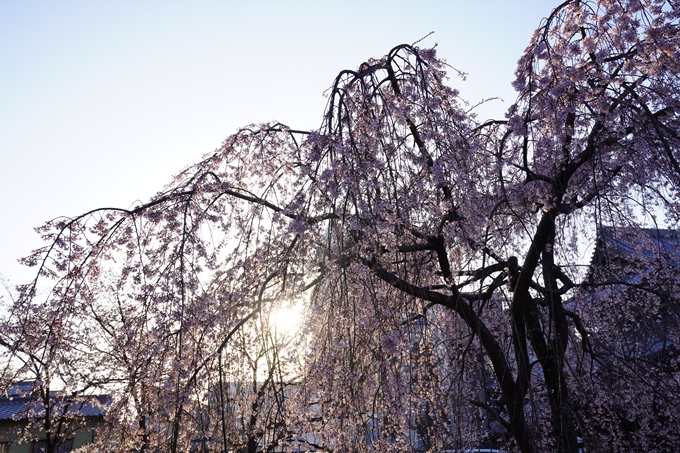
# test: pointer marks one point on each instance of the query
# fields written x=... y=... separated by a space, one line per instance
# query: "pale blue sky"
x=102 y=102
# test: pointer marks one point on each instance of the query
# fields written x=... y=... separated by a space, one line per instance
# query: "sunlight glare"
x=287 y=320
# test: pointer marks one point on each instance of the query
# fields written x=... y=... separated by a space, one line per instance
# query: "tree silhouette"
x=441 y=261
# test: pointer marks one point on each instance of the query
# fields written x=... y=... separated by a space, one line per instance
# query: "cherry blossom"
x=443 y=266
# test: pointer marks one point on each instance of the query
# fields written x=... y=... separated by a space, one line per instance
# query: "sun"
x=287 y=320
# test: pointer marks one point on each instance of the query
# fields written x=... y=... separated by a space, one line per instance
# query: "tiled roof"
x=17 y=408
x=9 y=408
x=622 y=242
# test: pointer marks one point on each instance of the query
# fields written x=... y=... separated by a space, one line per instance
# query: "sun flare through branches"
x=403 y=279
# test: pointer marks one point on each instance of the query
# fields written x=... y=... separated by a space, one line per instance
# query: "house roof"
x=639 y=261
x=19 y=408
x=623 y=243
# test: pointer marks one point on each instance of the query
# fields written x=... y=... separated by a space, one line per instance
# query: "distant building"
x=634 y=284
x=629 y=305
x=22 y=412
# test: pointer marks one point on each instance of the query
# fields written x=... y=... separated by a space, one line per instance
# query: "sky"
x=102 y=102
